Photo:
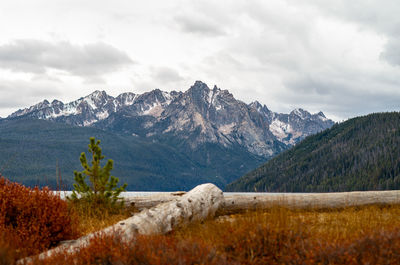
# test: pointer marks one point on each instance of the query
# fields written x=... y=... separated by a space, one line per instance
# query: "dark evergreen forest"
x=37 y=152
x=362 y=153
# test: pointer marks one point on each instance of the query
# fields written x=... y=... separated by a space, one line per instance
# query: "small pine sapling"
x=102 y=190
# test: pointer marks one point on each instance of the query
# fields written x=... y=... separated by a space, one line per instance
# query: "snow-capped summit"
x=37 y=107
x=197 y=116
x=302 y=114
x=82 y=112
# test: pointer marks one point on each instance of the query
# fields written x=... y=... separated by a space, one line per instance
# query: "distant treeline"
x=38 y=152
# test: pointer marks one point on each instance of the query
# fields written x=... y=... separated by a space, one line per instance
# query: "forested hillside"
x=362 y=153
x=31 y=149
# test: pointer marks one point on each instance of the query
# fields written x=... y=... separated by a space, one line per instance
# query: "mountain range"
x=219 y=137
x=362 y=153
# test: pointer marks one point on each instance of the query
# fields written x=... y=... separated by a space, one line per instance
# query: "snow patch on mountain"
x=280 y=129
x=154 y=111
x=102 y=115
x=199 y=115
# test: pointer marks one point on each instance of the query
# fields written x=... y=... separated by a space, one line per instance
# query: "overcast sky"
x=340 y=57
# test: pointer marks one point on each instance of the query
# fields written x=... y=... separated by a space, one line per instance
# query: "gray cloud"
x=164 y=75
x=319 y=56
x=377 y=16
x=20 y=94
x=37 y=56
x=391 y=53
x=340 y=57
x=312 y=85
x=346 y=96
x=198 y=24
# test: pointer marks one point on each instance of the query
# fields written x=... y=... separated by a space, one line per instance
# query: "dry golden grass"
x=93 y=218
x=330 y=224
x=354 y=235
x=300 y=235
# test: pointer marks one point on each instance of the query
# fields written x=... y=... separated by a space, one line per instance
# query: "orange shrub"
x=7 y=252
x=158 y=250
x=382 y=247
x=32 y=220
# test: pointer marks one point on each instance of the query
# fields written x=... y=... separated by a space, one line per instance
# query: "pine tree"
x=102 y=189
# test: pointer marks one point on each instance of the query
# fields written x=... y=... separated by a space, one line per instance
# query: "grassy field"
x=353 y=235
x=357 y=235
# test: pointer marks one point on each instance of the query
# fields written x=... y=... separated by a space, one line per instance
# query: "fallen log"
x=236 y=203
x=149 y=201
x=198 y=204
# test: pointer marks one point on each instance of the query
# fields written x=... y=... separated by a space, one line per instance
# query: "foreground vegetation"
x=365 y=235
x=33 y=220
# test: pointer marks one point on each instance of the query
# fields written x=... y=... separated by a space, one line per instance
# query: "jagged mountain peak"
x=197 y=116
x=301 y=113
x=199 y=85
x=56 y=102
x=321 y=114
x=263 y=110
x=305 y=115
x=258 y=106
x=154 y=94
x=126 y=98
x=198 y=89
x=157 y=97
x=97 y=94
x=43 y=104
x=255 y=104
x=97 y=99
x=205 y=98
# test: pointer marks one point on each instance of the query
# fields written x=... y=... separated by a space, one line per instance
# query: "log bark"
x=149 y=201
x=236 y=203
x=198 y=204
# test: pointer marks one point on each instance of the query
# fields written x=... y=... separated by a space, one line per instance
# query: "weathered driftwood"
x=235 y=203
x=149 y=201
x=196 y=205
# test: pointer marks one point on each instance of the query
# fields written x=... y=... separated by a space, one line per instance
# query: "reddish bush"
x=263 y=245
x=33 y=219
x=7 y=252
x=381 y=247
x=160 y=250
x=245 y=240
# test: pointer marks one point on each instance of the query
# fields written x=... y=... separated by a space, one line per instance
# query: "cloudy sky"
x=341 y=57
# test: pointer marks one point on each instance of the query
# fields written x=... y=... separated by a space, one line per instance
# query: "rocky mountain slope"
x=362 y=153
x=192 y=118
